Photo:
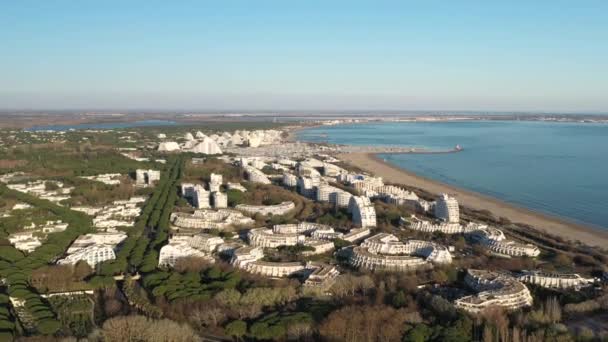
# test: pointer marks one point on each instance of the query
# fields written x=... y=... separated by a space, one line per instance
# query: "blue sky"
x=326 y=55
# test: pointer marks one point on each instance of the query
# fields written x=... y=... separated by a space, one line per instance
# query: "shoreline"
x=391 y=173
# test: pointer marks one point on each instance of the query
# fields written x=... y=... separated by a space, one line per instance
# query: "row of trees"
x=17 y=268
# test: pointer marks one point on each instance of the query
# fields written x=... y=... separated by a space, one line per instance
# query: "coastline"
x=370 y=162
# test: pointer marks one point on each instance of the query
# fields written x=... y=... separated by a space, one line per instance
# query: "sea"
x=557 y=168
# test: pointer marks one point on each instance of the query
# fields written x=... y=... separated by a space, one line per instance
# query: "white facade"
x=495 y=240
x=266 y=238
x=290 y=180
x=494 y=290
x=146 y=177
x=256 y=176
x=446 y=209
x=363 y=211
x=210 y=219
x=277 y=209
x=555 y=280
x=220 y=200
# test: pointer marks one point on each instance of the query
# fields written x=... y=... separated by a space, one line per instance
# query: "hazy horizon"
x=544 y=56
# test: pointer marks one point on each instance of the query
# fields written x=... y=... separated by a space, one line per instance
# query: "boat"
x=458 y=148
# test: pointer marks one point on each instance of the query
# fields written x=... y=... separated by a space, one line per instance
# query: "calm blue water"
x=556 y=168
x=108 y=125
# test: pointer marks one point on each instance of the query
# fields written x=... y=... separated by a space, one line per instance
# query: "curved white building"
x=274 y=269
x=494 y=290
x=210 y=219
x=555 y=280
x=277 y=209
x=266 y=238
x=494 y=239
x=300 y=228
x=389 y=244
x=361 y=257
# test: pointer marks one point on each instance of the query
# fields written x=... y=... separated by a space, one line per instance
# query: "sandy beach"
x=553 y=225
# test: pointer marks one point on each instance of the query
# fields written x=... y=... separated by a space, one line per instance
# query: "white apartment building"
x=256 y=176
x=146 y=177
x=555 y=280
x=201 y=198
x=363 y=211
x=290 y=180
x=495 y=240
x=494 y=290
x=209 y=219
x=277 y=209
x=266 y=238
x=220 y=200
x=446 y=209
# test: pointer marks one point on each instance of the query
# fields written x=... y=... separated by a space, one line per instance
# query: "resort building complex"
x=493 y=290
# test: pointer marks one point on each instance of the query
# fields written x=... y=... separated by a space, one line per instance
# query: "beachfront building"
x=363 y=211
x=494 y=290
x=431 y=227
x=146 y=177
x=255 y=175
x=277 y=209
x=446 y=209
x=494 y=239
x=555 y=280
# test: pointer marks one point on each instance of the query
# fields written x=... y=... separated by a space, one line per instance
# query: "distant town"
x=234 y=230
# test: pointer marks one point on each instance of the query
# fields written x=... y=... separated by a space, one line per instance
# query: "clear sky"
x=327 y=55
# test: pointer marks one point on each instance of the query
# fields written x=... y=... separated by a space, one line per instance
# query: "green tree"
x=236 y=329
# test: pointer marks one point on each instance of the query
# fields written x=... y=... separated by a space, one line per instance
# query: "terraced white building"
x=209 y=219
x=494 y=239
x=277 y=209
x=255 y=175
x=555 y=280
x=494 y=290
